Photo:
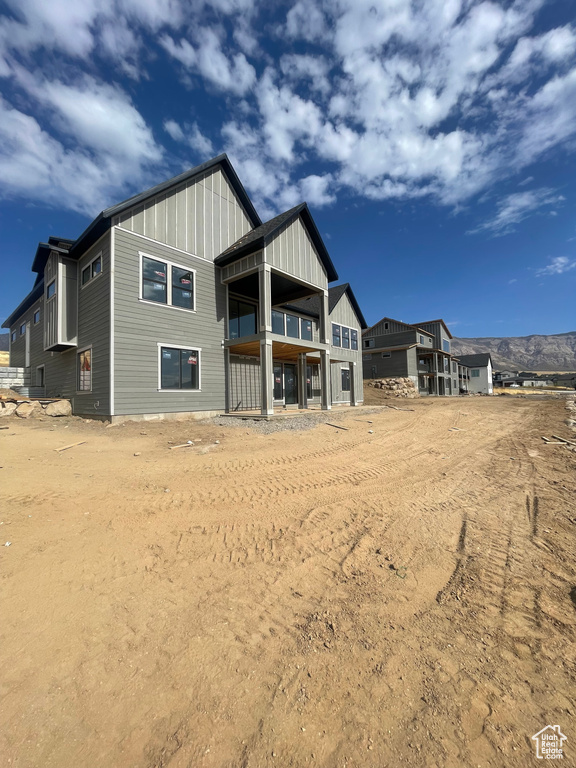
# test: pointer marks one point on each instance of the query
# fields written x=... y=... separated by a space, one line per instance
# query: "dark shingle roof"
x=311 y=304
x=257 y=238
x=475 y=361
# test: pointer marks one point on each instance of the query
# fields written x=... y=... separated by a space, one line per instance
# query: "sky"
x=434 y=140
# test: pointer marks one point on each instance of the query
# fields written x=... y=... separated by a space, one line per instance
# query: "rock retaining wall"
x=400 y=387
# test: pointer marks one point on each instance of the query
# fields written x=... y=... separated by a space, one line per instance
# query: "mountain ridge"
x=536 y=352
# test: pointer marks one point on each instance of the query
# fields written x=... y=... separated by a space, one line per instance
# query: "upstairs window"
x=92 y=269
x=242 y=319
x=368 y=343
x=446 y=345
x=336 y=342
x=345 y=338
x=292 y=326
x=278 y=322
x=167 y=283
x=354 y=339
x=36 y=317
x=22 y=329
x=13 y=336
x=51 y=289
x=306 y=329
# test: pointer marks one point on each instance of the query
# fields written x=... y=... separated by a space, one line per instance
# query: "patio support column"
x=302 y=381
x=353 y=395
x=227 y=379
x=265 y=298
x=266 y=381
x=326 y=391
x=325 y=334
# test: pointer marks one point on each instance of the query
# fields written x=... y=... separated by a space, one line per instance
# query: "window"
x=278 y=322
x=179 y=368
x=306 y=329
x=241 y=319
x=386 y=354
x=335 y=335
x=354 y=339
x=385 y=326
x=345 y=379
x=346 y=338
x=22 y=329
x=85 y=370
x=13 y=335
x=167 y=283
x=92 y=269
x=368 y=343
x=454 y=368
x=475 y=373
x=368 y=356
x=446 y=365
x=36 y=317
x=292 y=326
x=421 y=339
x=51 y=289
x=445 y=345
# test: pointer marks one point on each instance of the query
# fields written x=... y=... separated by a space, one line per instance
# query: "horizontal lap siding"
x=400 y=363
x=60 y=368
x=140 y=326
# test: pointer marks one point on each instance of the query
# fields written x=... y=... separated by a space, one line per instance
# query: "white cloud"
x=558 y=266
x=206 y=58
x=516 y=207
x=191 y=135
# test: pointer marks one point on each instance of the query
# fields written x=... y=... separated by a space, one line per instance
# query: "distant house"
x=180 y=300
x=420 y=351
x=480 y=367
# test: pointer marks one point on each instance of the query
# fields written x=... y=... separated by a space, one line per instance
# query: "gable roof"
x=430 y=322
x=399 y=322
x=259 y=237
x=475 y=361
x=25 y=304
x=103 y=221
x=311 y=304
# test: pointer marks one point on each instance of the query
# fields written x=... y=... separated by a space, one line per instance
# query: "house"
x=419 y=351
x=181 y=301
x=480 y=367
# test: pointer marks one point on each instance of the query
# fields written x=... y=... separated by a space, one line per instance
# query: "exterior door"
x=290 y=384
x=278 y=389
x=27 y=355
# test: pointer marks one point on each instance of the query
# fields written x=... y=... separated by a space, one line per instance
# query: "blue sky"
x=435 y=141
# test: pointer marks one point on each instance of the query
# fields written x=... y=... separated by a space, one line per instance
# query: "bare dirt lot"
x=320 y=597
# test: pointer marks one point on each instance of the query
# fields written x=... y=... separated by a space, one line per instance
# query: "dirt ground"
x=325 y=597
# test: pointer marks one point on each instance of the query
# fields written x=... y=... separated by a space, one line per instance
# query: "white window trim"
x=89 y=266
x=78 y=353
x=142 y=255
x=179 y=346
x=345 y=368
x=337 y=346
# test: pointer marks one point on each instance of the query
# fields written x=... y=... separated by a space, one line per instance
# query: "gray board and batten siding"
x=203 y=216
x=139 y=326
x=343 y=314
x=397 y=339
x=292 y=251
